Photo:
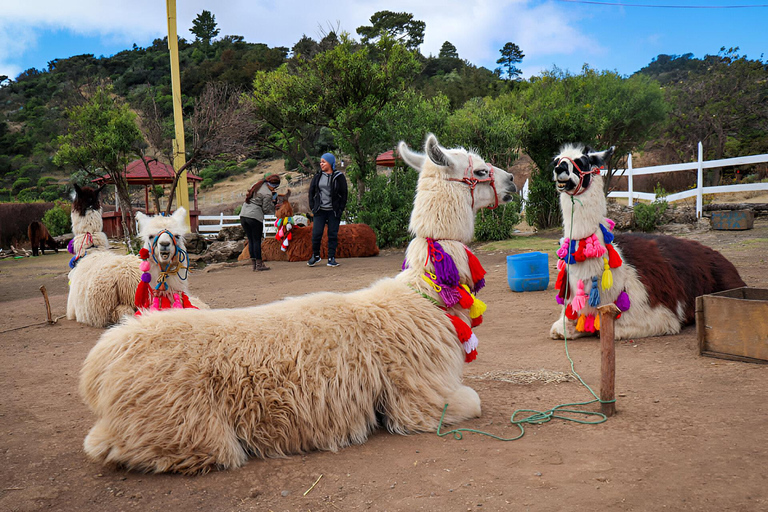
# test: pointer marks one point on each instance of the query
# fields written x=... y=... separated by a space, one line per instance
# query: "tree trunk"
x=125 y=205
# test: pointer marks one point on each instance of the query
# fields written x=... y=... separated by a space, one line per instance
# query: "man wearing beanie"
x=327 y=200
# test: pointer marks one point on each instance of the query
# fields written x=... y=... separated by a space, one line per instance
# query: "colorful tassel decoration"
x=559 y=299
x=589 y=323
x=462 y=329
x=177 y=301
x=476 y=321
x=477 y=309
x=622 y=301
x=445 y=268
x=476 y=270
x=142 y=296
x=562 y=252
x=580 y=323
x=594 y=294
x=579 y=254
x=449 y=295
x=607 y=235
x=614 y=260
x=607 y=275
x=561 y=276
x=569 y=313
x=465 y=298
x=580 y=300
x=611 y=224
x=597 y=322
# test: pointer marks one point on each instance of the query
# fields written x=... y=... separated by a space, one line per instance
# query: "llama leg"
x=463 y=404
x=556 y=331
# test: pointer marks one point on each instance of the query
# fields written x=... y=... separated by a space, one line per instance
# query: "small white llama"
x=653 y=279
x=189 y=391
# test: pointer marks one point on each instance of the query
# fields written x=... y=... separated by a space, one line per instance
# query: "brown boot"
x=259 y=265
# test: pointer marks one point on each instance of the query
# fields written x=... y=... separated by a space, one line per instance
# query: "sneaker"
x=332 y=262
x=314 y=260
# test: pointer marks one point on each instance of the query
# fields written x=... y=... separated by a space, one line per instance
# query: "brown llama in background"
x=39 y=237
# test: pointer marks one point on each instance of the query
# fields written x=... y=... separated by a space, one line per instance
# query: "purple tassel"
x=479 y=285
x=71 y=246
x=560 y=300
x=450 y=296
x=404 y=265
x=445 y=268
x=622 y=302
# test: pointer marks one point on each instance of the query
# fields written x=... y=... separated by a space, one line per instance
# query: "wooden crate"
x=734 y=324
x=732 y=220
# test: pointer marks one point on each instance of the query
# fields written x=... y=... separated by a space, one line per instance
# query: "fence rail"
x=225 y=221
x=697 y=192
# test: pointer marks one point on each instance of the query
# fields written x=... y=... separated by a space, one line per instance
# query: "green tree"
x=600 y=109
x=448 y=51
x=204 y=27
x=101 y=137
x=398 y=25
x=511 y=54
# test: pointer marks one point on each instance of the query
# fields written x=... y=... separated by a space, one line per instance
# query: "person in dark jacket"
x=327 y=200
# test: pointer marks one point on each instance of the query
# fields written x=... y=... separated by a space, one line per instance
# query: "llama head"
x=284 y=208
x=575 y=167
x=454 y=184
x=86 y=210
x=164 y=238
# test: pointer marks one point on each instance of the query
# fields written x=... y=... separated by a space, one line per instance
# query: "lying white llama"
x=103 y=284
x=653 y=279
x=188 y=391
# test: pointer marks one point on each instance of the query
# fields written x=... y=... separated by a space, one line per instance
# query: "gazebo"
x=386 y=159
x=136 y=174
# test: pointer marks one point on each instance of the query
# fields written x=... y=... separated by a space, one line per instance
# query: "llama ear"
x=98 y=190
x=179 y=215
x=435 y=152
x=411 y=158
x=78 y=190
x=141 y=219
x=598 y=158
x=288 y=194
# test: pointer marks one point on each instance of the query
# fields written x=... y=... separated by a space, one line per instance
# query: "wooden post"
x=608 y=314
x=47 y=304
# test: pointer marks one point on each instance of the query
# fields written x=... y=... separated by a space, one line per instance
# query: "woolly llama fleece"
x=653 y=279
x=189 y=391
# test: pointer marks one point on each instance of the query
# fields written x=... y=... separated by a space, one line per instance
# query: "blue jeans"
x=323 y=217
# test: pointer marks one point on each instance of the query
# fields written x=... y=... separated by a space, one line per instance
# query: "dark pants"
x=323 y=217
x=254 y=229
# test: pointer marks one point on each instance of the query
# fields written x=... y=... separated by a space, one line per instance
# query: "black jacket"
x=338 y=192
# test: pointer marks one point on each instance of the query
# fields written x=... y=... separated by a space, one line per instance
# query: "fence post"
x=221 y=221
x=630 y=199
x=699 y=182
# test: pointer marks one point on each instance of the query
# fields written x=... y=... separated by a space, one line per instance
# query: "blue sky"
x=561 y=33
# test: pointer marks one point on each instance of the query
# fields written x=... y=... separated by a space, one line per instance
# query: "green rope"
x=556 y=412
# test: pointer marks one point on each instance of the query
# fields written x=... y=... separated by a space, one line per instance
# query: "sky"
x=616 y=35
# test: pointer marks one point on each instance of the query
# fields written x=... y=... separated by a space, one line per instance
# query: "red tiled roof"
x=386 y=159
x=136 y=173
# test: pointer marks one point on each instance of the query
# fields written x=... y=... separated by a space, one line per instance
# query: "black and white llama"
x=653 y=279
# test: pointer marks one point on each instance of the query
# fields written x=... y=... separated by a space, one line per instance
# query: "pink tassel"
x=610 y=223
x=580 y=300
x=562 y=252
x=155 y=304
x=589 y=323
x=177 y=301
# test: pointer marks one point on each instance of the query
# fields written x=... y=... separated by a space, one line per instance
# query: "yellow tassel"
x=597 y=322
x=580 y=324
x=607 y=275
x=477 y=309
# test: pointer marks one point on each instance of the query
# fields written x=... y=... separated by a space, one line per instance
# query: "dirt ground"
x=689 y=433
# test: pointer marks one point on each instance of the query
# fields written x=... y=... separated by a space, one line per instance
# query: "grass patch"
x=523 y=244
x=752 y=241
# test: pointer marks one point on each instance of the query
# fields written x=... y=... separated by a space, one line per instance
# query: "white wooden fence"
x=227 y=221
x=700 y=189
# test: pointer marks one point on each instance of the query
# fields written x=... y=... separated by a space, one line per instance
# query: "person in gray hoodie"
x=259 y=201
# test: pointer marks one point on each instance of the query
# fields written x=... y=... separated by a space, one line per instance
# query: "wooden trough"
x=733 y=324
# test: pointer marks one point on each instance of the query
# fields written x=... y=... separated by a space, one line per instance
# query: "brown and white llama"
x=189 y=391
x=653 y=279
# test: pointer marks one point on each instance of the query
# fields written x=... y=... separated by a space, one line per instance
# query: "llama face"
x=86 y=198
x=164 y=236
x=486 y=185
x=574 y=168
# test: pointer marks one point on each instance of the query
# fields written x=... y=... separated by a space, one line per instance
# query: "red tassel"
x=468 y=358
x=141 y=299
x=462 y=329
x=165 y=303
x=560 y=278
x=465 y=299
x=579 y=254
x=185 y=302
x=563 y=286
x=614 y=260
x=569 y=314
x=477 y=270
x=477 y=321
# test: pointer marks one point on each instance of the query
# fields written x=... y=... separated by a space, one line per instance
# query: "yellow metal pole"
x=179 y=158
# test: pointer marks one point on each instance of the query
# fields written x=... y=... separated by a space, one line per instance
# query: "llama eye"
x=481 y=172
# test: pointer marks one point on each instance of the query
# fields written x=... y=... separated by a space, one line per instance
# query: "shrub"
x=57 y=219
x=27 y=195
x=237 y=209
x=20 y=184
x=53 y=192
x=498 y=224
x=648 y=216
x=386 y=206
x=542 y=209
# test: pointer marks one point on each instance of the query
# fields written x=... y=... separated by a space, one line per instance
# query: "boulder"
x=231 y=233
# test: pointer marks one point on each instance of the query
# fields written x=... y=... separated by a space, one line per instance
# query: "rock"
x=195 y=243
x=231 y=233
x=222 y=251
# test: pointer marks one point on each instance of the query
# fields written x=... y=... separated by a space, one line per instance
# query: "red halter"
x=593 y=170
x=470 y=180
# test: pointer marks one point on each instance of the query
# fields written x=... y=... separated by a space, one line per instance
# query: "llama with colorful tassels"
x=652 y=279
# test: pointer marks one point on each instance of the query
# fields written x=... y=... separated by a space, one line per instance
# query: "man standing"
x=327 y=200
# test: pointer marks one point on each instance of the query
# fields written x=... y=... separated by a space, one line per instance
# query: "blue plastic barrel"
x=528 y=272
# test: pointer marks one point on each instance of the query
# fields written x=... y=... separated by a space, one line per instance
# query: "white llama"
x=189 y=391
x=653 y=279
